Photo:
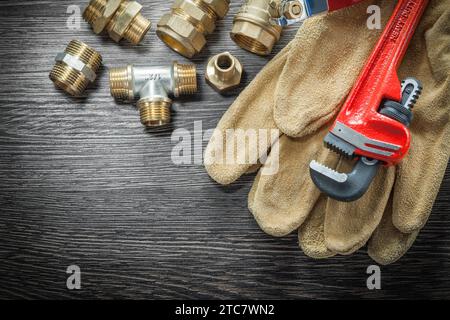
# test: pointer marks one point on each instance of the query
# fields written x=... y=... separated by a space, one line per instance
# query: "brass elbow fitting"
x=185 y=27
x=75 y=68
x=224 y=72
x=152 y=86
x=120 y=18
x=252 y=29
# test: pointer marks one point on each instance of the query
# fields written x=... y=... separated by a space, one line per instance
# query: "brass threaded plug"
x=120 y=18
x=75 y=68
x=152 y=86
x=252 y=29
x=184 y=29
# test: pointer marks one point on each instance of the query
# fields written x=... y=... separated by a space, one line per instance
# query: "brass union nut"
x=252 y=29
x=126 y=14
x=120 y=18
x=224 y=72
x=184 y=29
x=180 y=35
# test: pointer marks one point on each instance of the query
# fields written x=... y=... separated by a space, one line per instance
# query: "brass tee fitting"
x=75 y=68
x=252 y=29
x=223 y=72
x=152 y=86
x=185 y=27
x=120 y=18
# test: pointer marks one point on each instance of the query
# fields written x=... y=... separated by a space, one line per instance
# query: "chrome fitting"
x=252 y=28
x=224 y=72
x=153 y=86
x=120 y=18
x=75 y=68
x=185 y=27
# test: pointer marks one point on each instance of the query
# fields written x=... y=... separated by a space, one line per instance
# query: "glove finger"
x=421 y=172
x=251 y=112
x=349 y=225
x=281 y=201
x=324 y=63
x=311 y=236
x=387 y=243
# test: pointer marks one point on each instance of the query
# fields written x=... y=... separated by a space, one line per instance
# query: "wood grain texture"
x=82 y=183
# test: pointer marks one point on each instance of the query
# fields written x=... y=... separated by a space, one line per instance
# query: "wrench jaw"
x=344 y=187
x=351 y=186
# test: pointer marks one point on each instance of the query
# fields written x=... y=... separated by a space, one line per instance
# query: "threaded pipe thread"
x=251 y=44
x=119 y=83
x=86 y=54
x=68 y=79
x=186 y=79
x=154 y=113
x=137 y=30
x=94 y=10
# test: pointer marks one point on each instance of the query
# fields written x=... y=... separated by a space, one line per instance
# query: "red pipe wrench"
x=287 y=12
x=372 y=125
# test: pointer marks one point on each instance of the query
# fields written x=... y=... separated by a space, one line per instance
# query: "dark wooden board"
x=83 y=183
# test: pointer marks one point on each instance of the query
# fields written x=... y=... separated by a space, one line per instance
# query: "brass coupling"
x=120 y=18
x=184 y=29
x=224 y=72
x=252 y=29
x=153 y=86
x=75 y=68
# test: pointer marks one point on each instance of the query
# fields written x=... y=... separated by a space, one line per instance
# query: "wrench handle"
x=334 y=5
x=379 y=81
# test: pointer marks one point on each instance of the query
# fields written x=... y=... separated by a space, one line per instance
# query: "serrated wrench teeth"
x=344 y=186
x=328 y=172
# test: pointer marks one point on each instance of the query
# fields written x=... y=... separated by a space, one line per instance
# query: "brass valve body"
x=224 y=72
x=291 y=10
x=185 y=27
x=75 y=68
x=252 y=29
x=120 y=18
x=152 y=86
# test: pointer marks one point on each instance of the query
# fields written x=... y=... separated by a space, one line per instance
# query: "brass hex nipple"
x=223 y=72
x=185 y=27
x=152 y=86
x=252 y=29
x=120 y=18
x=75 y=68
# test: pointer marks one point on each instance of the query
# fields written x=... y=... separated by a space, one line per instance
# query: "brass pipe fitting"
x=152 y=86
x=223 y=72
x=185 y=27
x=75 y=68
x=291 y=9
x=252 y=29
x=120 y=18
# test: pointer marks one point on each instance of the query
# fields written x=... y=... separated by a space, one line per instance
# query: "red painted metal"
x=339 y=4
x=379 y=80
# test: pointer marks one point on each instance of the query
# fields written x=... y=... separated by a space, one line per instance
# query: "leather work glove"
x=300 y=92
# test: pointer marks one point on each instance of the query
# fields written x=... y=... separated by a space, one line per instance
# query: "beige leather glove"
x=300 y=92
